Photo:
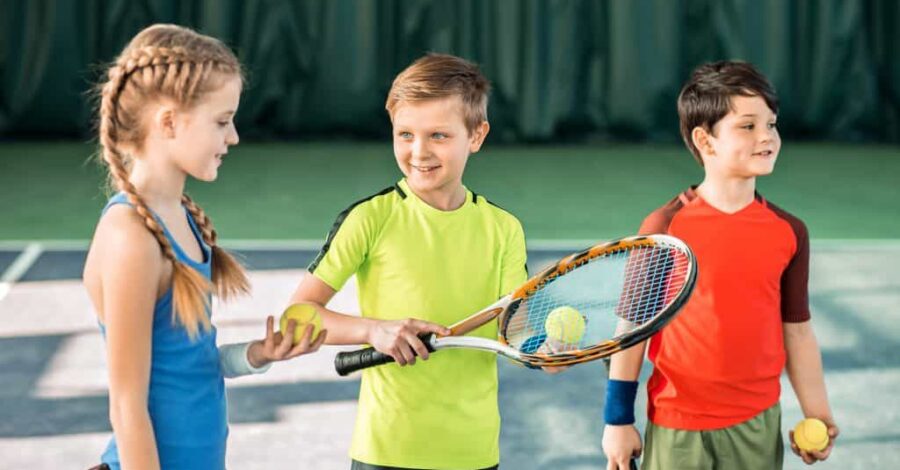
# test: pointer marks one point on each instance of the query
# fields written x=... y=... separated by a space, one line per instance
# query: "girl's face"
x=204 y=133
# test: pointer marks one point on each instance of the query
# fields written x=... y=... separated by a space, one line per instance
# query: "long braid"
x=228 y=275
x=179 y=73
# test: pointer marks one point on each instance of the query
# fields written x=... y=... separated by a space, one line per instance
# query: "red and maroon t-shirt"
x=719 y=361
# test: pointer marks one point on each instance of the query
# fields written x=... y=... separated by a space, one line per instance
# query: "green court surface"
x=294 y=190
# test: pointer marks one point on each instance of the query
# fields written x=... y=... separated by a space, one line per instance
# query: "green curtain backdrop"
x=562 y=69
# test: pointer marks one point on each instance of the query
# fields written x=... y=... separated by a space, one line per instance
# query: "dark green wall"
x=562 y=70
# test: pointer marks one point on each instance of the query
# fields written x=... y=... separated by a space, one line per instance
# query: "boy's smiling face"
x=432 y=146
x=744 y=143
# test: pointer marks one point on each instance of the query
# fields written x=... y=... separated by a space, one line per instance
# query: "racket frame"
x=506 y=307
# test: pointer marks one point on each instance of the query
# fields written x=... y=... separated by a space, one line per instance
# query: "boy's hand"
x=621 y=443
x=553 y=347
x=277 y=347
x=400 y=338
x=554 y=370
x=811 y=457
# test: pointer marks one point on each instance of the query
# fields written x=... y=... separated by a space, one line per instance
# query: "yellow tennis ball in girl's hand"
x=302 y=314
x=565 y=324
x=811 y=434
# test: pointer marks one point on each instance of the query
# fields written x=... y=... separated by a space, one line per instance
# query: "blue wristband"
x=619 y=407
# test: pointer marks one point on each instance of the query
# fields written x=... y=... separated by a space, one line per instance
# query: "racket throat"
x=470 y=342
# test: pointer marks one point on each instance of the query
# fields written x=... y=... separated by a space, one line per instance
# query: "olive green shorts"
x=752 y=445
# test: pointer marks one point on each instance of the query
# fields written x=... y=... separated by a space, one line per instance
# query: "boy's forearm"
x=626 y=365
x=345 y=329
x=804 y=369
x=342 y=328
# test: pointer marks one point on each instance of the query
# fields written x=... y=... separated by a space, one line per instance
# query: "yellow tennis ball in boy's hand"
x=565 y=324
x=302 y=314
x=811 y=434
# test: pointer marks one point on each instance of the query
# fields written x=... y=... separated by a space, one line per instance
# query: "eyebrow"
x=440 y=128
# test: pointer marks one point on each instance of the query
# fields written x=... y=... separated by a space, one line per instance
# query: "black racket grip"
x=348 y=362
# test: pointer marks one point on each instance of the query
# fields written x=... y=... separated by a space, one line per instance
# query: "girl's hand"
x=277 y=346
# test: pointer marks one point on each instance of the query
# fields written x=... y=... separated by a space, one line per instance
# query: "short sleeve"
x=795 y=279
x=514 y=271
x=345 y=248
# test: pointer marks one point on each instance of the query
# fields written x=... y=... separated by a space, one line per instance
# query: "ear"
x=164 y=121
x=477 y=136
x=703 y=141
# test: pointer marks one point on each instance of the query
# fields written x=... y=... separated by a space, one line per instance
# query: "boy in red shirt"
x=713 y=397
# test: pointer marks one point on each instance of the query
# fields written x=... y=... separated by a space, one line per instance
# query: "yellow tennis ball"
x=303 y=314
x=811 y=434
x=565 y=324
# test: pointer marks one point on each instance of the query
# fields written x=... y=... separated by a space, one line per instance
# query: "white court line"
x=537 y=244
x=19 y=267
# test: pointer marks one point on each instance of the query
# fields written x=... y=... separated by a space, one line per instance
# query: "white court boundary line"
x=19 y=267
x=537 y=244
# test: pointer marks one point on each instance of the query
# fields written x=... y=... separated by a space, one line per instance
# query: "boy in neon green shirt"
x=427 y=252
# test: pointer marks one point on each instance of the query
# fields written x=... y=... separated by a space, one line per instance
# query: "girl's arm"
x=130 y=271
x=804 y=369
x=256 y=357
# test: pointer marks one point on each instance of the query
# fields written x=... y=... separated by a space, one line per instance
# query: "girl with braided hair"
x=166 y=112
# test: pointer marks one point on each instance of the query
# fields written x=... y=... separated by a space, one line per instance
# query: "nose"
x=419 y=148
x=232 y=138
x=768 y=134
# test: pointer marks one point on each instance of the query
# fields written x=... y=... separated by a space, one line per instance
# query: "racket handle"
x=632 y=464
x=348 y=362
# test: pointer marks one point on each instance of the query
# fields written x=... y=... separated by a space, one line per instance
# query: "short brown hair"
x=441 y=76
x=706 y=97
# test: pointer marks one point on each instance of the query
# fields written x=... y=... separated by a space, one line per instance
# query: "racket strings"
x=614 y=293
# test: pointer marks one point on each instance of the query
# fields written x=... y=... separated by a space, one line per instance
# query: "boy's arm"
x=804 y=369
x=399 y=339
x=342 y=328
x=621 y=439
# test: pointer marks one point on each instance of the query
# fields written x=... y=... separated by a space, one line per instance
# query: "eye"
x=438 y=136
x=749 y=127
x=773 y=125
x=404 y=135
x=224 y=123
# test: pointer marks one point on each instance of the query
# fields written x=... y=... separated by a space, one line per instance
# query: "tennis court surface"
x=300 y=414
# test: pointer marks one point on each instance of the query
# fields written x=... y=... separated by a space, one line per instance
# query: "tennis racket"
x=587 y=306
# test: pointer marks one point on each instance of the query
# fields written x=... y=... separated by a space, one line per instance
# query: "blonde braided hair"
x=168 y=61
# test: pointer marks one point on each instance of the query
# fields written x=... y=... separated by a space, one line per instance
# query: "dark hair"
x=706 y=97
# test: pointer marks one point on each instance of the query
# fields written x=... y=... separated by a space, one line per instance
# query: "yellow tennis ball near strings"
x=565 y=324
x=811 y=434
x=302 y=314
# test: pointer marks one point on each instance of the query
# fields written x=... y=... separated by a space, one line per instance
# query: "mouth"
x=425 y=168
x=764 y=154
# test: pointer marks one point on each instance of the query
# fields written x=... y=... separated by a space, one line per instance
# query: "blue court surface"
x=53 y=402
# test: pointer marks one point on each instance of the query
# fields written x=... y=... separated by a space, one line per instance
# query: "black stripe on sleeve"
x=340 y=220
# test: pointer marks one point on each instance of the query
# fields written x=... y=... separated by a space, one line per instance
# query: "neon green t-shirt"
x=412 y=260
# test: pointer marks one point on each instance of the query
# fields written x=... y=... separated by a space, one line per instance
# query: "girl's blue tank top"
x=186 y=399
